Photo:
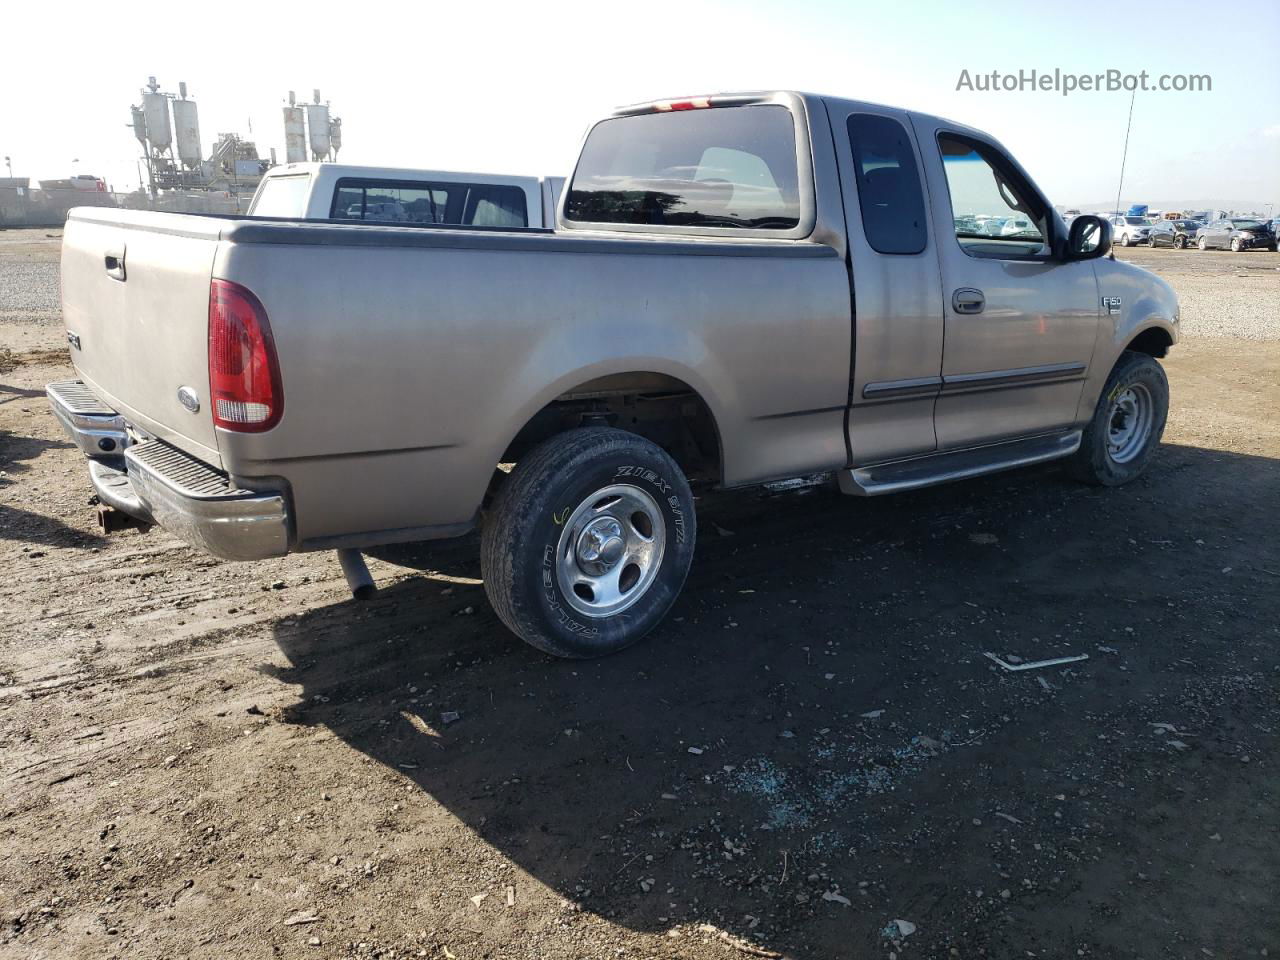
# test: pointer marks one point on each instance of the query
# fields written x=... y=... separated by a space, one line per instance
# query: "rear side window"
x=397 y=201
x=722 y=167
x=284 y=197
x=889 y=192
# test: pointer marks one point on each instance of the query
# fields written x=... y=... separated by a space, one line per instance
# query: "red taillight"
x=244 y=375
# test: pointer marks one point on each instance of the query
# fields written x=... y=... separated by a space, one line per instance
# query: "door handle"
x=968 y=300
x=113 y=261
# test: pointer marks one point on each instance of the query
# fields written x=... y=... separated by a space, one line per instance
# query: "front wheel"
x=1179 y=243
x=588 y=542
x=1127 y=423
x=1235 y=244
x=1124 y=240
x=1202 y=243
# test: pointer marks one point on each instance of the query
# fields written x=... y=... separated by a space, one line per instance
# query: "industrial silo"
x=186 y=127
x=155 y=109
x=295 y=135
x=318 y=130
x=335 y=136
x=140 y=125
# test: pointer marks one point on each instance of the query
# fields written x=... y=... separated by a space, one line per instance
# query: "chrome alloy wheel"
x=1129 y=423
x=610 y=550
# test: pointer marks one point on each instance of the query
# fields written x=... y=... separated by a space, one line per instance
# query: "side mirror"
x=1088 y=238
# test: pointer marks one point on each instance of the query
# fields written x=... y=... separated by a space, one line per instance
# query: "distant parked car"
x=1236 y=234
x=1178 y=234
x=387 y=210
x=1018 y=226
x=1129 y=230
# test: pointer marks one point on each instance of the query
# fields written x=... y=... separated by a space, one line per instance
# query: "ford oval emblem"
x=189 y=399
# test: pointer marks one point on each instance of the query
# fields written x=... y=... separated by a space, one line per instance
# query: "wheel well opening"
x=1153 y=341
x=660 y=408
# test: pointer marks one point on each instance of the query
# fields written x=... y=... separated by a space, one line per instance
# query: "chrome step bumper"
x=97 y=430
x=158 y=483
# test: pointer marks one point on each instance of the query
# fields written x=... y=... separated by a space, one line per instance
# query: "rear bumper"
x=158 y=483
x=96 y=429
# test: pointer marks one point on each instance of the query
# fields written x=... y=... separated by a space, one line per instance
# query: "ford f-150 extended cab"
x=739 y=289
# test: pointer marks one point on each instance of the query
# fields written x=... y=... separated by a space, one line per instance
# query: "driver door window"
x=993 y=218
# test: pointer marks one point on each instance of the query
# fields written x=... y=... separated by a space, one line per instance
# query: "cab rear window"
x=415 y=201
x=723 y=167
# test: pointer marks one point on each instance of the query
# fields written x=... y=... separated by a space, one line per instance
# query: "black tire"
x=1202 y=243
x=523 y=530
x=1093 y=462
x=1235 y=244
x=1179 y=243
x=1124 y=239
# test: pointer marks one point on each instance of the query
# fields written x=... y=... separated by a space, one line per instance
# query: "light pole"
x=8 y=162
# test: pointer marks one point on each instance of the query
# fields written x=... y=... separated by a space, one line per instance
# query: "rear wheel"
x=1127 y=423
x=588 y=542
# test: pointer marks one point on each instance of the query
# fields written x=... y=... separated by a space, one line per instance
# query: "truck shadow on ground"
x=8 y=392
x=814 y=756
x=27 y=525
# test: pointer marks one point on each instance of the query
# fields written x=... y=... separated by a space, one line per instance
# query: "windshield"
x=1246 y=224
x=1135 y=221
x=719 y=167
x=284 y=197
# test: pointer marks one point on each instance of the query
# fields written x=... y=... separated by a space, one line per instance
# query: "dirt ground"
x=813 y=758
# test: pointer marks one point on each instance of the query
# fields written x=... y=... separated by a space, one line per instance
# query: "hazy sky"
x=512 y=87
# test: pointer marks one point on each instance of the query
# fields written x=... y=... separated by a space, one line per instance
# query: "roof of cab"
x=391 y=173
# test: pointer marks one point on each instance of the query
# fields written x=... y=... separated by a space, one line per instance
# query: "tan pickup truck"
x=739 y=289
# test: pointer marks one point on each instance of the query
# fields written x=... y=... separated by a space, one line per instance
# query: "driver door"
x=1020 y=324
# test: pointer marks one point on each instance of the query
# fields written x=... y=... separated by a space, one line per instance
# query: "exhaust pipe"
x=357 y=573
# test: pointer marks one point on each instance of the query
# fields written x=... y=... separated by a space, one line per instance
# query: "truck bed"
x=411 y=357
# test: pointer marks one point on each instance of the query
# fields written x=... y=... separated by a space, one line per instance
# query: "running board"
x=951 y=465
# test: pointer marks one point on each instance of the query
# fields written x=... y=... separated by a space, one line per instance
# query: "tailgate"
x=135 y=300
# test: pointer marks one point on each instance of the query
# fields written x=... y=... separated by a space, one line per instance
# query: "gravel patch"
x=29 y=290
x=1242 y=308
x=1222 y=295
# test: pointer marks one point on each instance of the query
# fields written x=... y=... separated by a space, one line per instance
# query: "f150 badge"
x=73 y=339
x=1112 y=304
